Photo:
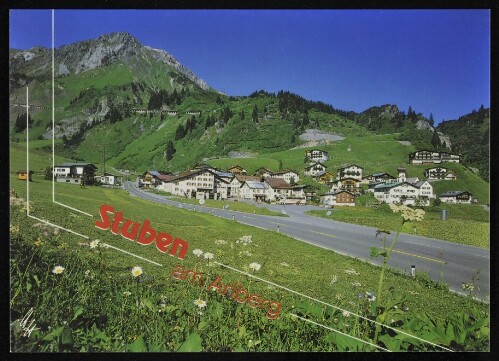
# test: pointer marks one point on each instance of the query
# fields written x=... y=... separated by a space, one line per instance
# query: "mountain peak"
x=121 y=37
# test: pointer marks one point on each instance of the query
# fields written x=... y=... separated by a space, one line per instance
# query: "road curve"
x=449 y=262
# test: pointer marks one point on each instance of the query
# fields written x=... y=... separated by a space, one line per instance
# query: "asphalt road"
x=444 y=261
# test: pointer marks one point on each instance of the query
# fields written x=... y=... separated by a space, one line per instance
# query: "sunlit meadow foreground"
x=72 y=294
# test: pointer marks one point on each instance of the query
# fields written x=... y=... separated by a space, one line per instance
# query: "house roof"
x=75 y=165
x=284 y=171
x=391 y=185
x=348 y=178
x=314 y=164
x=320 y=174
x=374 y=184
x=264 y=170
x=154 y=173
x=382 y=174
x=337 y=192
x=436 y=168
x=412 y=179
x=317 y=150
x=420 y=183
x=236 y=166
x=191 y=173
x=277 y=183
x=454 y=193
x=255 y=185
x=351 y=165
x=224 y=174
x=167 y=177
x=244 y=178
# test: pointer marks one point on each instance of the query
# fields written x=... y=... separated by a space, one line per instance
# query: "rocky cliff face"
x=89 y=54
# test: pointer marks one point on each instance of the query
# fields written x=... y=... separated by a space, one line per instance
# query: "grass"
x=235 y=206
x=81 y=321
x=465 y=224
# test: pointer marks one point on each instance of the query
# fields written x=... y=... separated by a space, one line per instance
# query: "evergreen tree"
x=180 y=132
x=254 y=115
x=435 y=141
x=170 y=150
x=20 y=123
x=431 y=120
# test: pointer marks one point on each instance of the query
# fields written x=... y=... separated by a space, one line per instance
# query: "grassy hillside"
x=376 y=153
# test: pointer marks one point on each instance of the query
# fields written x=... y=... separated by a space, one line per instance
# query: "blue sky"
x=433 y=60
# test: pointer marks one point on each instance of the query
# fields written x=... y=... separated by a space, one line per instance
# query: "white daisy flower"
x=197 y=252
x=136 y=271
x=58 y=270
x=200 y=303
x=94 y=244
x=255 y=266
x=209 y=255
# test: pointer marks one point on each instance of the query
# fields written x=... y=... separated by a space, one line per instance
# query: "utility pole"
x=104 y=158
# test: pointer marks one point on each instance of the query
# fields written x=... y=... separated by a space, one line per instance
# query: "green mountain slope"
x=104 y=88
x=470 y=137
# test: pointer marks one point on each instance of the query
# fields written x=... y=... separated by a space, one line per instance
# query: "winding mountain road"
x=449 y=262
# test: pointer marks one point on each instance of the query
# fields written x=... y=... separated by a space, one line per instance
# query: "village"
x=283 y=186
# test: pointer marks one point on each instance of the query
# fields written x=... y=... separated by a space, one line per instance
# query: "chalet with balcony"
x=237 y=170
x=279 y=190
x=378 y=177
x=77 y=173
x=438 y=173
x=316 y=155
x=314 y=169
x=456 y=197
x=288 y=175
x=431 y=157
x=324 y=177
x=346 y=184
x=338 y=198
x=350 y=171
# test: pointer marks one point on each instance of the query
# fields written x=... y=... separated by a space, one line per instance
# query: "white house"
x=202 y=183
x=428 y=157
x=425 y=191
x=439 y=173
x=316 y=155
x=338 y=198
x=315 y=169
x=108 y=179
x=403 y=193
x=287 y=175
x=75 y=172
x=254 y=190
x=279 y=190
x=350 y=171
x=378 y=177
x=237 y=182
x=458 y=197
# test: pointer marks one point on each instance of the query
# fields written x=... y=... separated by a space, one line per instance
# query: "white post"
x=27 y=152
